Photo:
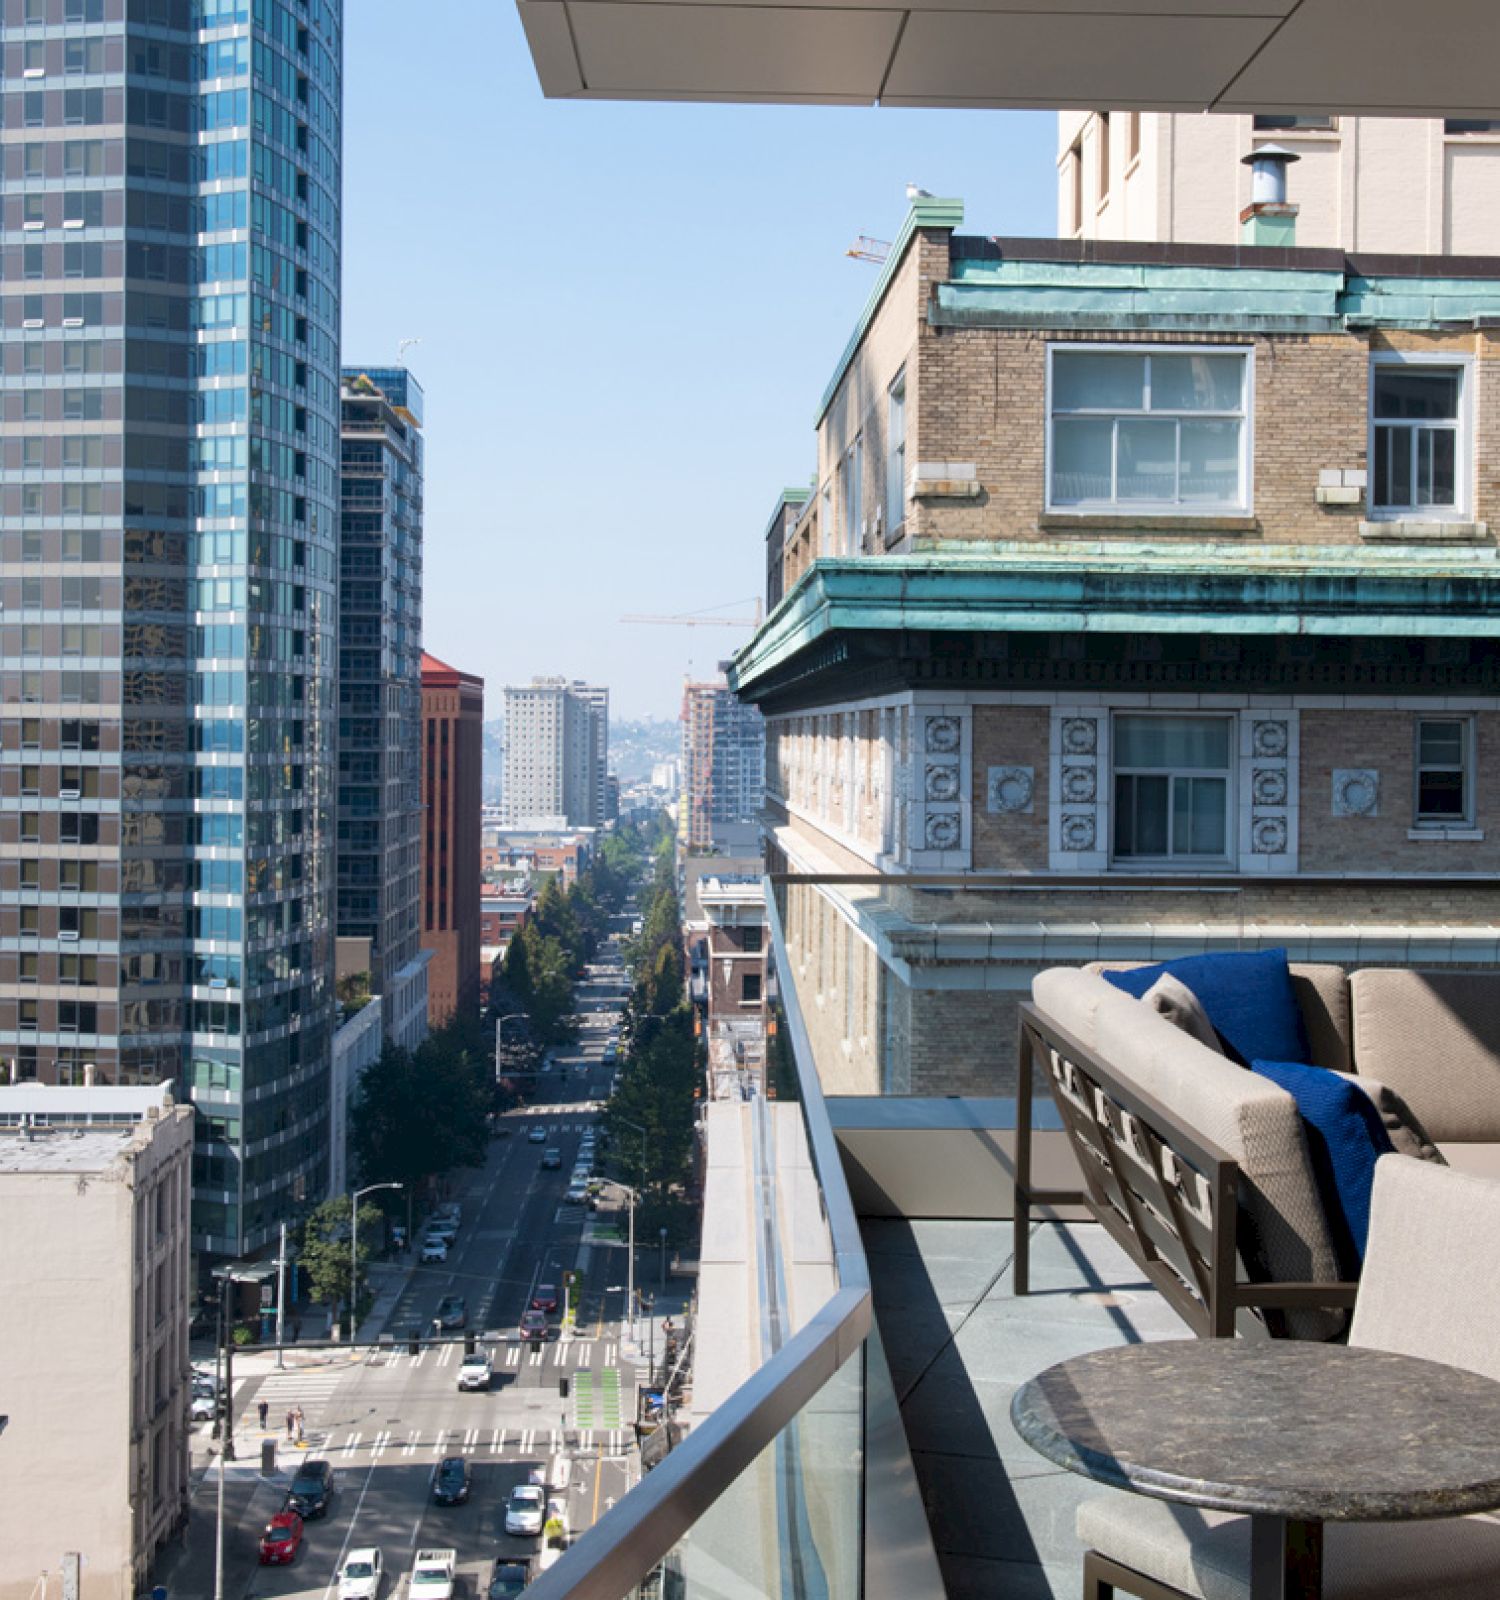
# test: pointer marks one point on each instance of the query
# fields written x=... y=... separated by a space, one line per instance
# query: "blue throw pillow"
x=1345 y=1138
x=1248 y=997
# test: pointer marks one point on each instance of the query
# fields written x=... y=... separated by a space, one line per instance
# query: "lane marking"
x=410 y=1447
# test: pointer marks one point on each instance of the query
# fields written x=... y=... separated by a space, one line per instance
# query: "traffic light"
x=414 y=1343
x=562 y=1388
x=471 y=1342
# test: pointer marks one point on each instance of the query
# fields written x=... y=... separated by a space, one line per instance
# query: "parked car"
x=545 y=1298
x=551 y=1159
x=432 y=1575
x=312 y=1490
x=450 y=1481
x=450 y=1211
x=282 y=1539
x=444 y=1228
x=525 y=1510
x=205 y=1407
x=434 y=1249
x=578 y=1192
x=474 y=1372
x=359 y=1578
x=508 y=1580
x=537 y=1135
x=534 y=1327
x=453 y=1311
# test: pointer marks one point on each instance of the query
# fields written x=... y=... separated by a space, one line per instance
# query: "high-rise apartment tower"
x=452 y=763
x=556 y=754
x=380 y=690
x=168 y=543
x=723 y=769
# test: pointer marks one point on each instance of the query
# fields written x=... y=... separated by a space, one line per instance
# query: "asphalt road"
x=384 y=1420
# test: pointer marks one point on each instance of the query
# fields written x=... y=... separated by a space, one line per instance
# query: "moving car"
x=312 y=1490
x=611 y=1054
x=450 y=1481
x=507 y=1580
x=453 y=1311
x=534 y=1326
x=444 y=1228
x=525 y=1510
x=205 y=1408
x=537 y=1136
x=361 y=1574
x=434 y=1249
x=545 y=1298
x=282 y=1539
x=432 y=1575
x=551 y=1159
x=475 y=1372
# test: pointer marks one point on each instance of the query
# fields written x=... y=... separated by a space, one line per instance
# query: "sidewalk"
x=389 y=1280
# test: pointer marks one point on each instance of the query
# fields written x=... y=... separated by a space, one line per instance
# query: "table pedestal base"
x=1286 y=1559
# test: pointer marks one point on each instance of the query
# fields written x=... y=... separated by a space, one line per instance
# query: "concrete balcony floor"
x=959 y=1344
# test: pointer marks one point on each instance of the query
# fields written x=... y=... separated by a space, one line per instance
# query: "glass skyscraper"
x=380 y=691
x=168 y=549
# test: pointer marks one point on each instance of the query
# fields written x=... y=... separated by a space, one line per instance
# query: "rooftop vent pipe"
x=1269 y=219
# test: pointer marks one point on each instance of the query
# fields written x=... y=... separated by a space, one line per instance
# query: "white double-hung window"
x=1417 y=420
x=1156 y=431
x=1172 y=787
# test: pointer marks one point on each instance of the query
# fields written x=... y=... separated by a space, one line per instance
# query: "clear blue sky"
x=627 y=315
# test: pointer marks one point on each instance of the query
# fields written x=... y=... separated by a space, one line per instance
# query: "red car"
x=534 y=1327
x=545 y=1298
x=282 y=1539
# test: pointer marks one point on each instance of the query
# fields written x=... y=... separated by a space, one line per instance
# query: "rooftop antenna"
x=402 y=348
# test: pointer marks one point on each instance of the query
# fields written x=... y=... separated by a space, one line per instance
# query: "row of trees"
x=651 y=1117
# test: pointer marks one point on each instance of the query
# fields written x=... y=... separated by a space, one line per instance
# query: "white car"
x=361 y=1575
x=204 y=1407
x=432 y=1575
x=434 y=1249
x=474 y=1372
x=526 y=1509
x=578 y=1192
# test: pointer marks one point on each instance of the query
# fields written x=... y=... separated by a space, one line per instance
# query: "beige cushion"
x=1431 y=1280
x=1207 y=1553
x=1247 y=1116
x=1482 y=1160
x=1322 y=993
x=1171 y=998
x=1434 y=1037
x=1408 y=1137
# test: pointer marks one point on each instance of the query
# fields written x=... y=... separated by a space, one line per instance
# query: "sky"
x=627 y=315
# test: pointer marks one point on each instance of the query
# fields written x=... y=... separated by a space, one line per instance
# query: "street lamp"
x=630 y=1255
x=510 y=1016
x=354 y=1244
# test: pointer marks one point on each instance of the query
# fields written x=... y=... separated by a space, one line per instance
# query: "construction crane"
x=699 y=619
x=865 y=248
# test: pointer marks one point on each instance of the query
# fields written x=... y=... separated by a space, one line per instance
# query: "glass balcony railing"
x=769 y=1493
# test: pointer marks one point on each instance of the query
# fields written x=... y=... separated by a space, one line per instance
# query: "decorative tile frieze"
x=1010 y=789
x=1356 y=792
x=941 y=787
x=1267 y=752
x=1079 y=806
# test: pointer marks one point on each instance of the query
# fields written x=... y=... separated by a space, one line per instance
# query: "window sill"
x=1424 y=530
x=1441 y=835
x=1185 y=524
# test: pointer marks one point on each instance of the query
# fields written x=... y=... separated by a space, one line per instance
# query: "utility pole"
x=281 y=1299
x=219 y=1537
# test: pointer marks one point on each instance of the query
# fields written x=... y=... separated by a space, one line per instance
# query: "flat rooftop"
x=59 y=1150
x=960 y=1344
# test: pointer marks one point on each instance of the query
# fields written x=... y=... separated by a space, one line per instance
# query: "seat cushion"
x=1247 y=995
x=1480 y=1160
x=1207 y=1553
x=1249 y=1118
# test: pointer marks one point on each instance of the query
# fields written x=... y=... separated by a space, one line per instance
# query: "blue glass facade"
x=168 y=550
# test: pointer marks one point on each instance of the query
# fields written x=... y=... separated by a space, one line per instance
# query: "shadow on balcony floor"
x=959 y=1344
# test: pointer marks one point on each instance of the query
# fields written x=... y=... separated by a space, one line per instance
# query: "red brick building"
x=452 y=740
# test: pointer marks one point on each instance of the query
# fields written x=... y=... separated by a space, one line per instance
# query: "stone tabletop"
x=1278 y=1427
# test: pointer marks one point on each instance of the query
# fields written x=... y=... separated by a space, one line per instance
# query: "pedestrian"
x=264 y=1408
x=299 y=1424
x=291 y=1424
x=296 y=1329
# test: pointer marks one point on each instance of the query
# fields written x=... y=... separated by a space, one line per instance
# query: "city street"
x=384 y=1416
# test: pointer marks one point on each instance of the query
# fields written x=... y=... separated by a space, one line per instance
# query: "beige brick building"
x=94 y=1186
x=1146 y=603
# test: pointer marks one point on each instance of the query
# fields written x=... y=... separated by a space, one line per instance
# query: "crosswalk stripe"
x=381 y=1441
x=513 y=1356
x=410 y=1447
x=498 y=1443
x=609 y=1354
x=527 y=1435
x=471 y=1438
x=350 y=1444
x=447 y=1355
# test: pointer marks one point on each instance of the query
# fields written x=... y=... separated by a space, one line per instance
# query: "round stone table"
x=1291 y=1434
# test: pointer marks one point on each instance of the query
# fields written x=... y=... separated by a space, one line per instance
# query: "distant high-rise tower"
x=556 y=754
x=380 y=690
x=170 y=295
x=723 y=768
x=452 y=763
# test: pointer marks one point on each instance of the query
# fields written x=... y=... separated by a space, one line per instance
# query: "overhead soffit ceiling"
x=1377 y=57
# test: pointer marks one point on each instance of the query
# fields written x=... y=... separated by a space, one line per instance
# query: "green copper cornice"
x=929 y=212
x=1132 y=588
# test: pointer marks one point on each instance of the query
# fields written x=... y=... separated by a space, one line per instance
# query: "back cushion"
x=1434 y=1037
x=1322 y=993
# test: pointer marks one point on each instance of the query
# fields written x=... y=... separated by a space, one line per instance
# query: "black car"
x=508 y=1580
x=450 y=1482
x=312 y=1490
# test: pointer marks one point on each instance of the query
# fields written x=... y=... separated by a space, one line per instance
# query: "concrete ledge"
x=1417 y=530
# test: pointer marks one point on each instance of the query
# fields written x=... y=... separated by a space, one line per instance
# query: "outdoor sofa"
x=1200 y=1168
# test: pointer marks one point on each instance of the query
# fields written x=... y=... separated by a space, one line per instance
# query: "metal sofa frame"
x=1166 y=1195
